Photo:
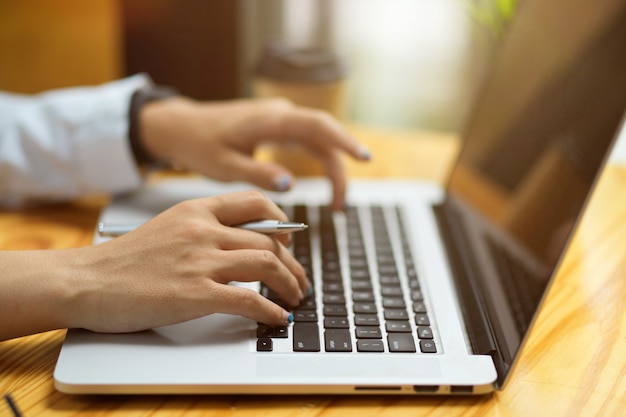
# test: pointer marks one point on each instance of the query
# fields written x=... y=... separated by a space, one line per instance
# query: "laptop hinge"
x=477 y=324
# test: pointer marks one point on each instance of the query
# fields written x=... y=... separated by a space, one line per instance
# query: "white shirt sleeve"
x=67 y=143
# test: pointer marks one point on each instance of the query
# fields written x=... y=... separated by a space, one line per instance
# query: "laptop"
x=419 y=289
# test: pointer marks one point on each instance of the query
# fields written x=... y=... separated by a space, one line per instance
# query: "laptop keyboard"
x=380 y=308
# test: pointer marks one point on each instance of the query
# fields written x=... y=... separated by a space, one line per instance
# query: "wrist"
x=37 y=291
x=143 y=152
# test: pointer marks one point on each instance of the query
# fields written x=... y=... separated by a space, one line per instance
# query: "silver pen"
x=268 y=227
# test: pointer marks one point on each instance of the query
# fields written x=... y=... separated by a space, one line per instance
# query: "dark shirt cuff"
x=138 y=99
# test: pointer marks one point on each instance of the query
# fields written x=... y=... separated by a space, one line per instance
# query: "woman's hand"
x=177 y=267
x=218 y=139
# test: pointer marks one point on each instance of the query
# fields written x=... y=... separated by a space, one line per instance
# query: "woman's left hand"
x=218 y=139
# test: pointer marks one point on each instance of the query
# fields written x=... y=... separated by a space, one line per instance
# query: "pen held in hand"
x=268 y=227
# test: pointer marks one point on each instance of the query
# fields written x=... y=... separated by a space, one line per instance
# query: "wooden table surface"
x=573 y=364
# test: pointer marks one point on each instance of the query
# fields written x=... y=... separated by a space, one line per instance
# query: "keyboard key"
x=416 y=295
x=335 y=310
x=358 y=263
x=305 y=315
x=331 y=276
x=428 y=346
x=419 y=307
x=389 y=302
x=306 y=337
x=264 y=344
x=396 y=314
x=365 y=308
x=330 y=266
x=280 y=332
x=412 y=274
x=397 y=326
x=264 y=330
x=337 y=340
x=330 y=255
x=386 y=259
x=401 y=342
x=360 y=275
x=308 y=304
x=361 y=286
x=424 y=332
x=391 y=291
x=414 y=284
x=422 y=320
x=387 y=270
x=366 y=320
x=358 y=297
x=366 y=345
x=389 y=280
x=334 y=299
x=368 y=332
x=336 y=323
x=383 y=245
x=333 y=287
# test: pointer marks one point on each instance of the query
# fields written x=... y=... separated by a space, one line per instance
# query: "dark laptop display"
x=531 y=154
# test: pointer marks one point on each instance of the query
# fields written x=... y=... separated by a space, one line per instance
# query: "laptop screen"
x=540 y=131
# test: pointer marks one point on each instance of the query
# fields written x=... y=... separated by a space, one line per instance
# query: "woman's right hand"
x=177 y=267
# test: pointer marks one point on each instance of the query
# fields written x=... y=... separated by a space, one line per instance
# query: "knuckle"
x=278 y=103
x=321 y=115
x=269 y=260
x=186 y=207
x=256 y=195
x=320 y=122
x=256 y=199
x=319 y=118
x=192 y=218
x=219 y=200
x=249 y=299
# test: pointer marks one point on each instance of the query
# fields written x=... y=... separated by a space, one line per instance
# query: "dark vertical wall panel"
x=189 y=44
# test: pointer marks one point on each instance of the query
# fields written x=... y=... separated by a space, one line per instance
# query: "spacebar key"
x=306 y=337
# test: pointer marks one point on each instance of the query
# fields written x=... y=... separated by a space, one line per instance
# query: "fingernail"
x=287 y=317
x=310 y=291
x=281 y=183
x=365 y=153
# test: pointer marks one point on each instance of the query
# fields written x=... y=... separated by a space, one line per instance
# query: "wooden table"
x=574 y=363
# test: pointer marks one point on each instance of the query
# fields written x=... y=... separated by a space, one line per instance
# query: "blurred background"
x=412 y=64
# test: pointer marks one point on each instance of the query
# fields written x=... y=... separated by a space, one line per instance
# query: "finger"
x=263 y=174
x=250 y=304
x=240 y=207
x=230 y=237
x=333 y=164
x=258 y=265
x=320 y=132
x=237 y=239
x=242 y=238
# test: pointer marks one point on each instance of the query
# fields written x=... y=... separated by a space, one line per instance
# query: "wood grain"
x=574 y=363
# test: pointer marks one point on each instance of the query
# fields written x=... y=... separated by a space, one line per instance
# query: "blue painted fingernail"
x=290 y=318
x=309 y=292
x=281 y=183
